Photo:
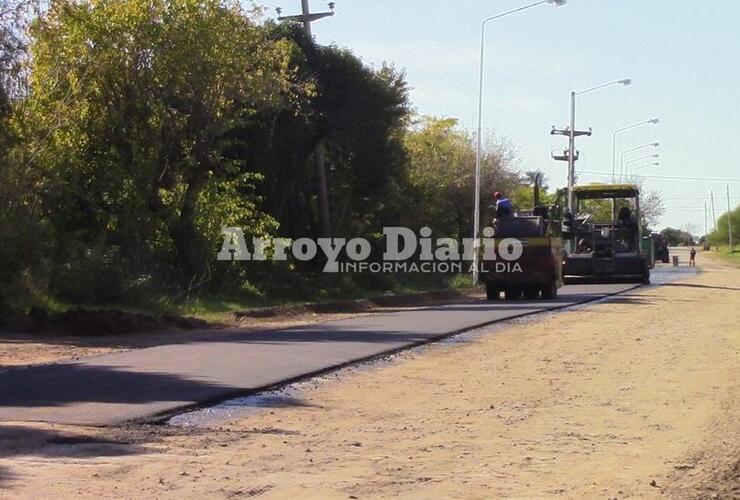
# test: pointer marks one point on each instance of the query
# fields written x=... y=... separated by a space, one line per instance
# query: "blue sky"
x=683 y=57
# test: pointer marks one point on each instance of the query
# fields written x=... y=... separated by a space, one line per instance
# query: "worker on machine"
x=629 y=224
x=504 y=207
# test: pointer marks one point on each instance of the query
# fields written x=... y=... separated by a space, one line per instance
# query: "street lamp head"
x=655 y=144
x=626 y=82
x=654 y=121
x=558 y=3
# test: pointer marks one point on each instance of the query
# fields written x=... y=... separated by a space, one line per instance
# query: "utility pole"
x=571 y=154
x=729 y=217
x=319 y=155
x=714 y=216
x=306 y=16
x=706 y=227
x=572 y=151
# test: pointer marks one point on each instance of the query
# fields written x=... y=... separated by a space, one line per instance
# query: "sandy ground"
x=633 y=398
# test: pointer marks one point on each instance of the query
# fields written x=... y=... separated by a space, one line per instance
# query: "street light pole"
x=652 y=121
x=714 y=217
x=572 y=135
x=632 y=150
x=729 y=217
x=478 y=151
x=642 y=158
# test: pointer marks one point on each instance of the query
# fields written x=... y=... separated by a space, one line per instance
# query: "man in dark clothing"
x=692 y=257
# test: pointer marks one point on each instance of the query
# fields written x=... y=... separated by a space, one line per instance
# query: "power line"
x=692 y=198
x=671 y=177
x=440 y=43
x=444 y=76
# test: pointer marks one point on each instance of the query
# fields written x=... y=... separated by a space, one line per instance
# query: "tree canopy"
x=132 y=131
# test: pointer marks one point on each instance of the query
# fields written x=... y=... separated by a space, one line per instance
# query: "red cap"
x=497 y=195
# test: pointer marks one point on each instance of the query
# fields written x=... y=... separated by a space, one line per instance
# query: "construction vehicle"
x=660 y=243
x=605 y=236
x=647 y=245
x=539 y=269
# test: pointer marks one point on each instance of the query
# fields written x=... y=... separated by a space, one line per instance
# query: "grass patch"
x=217 y=308
x=724 y=253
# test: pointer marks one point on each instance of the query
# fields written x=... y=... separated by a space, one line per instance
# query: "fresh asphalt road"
x=140 y=384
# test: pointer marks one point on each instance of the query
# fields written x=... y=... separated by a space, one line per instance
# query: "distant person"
x=692 y=257
x=504 y=207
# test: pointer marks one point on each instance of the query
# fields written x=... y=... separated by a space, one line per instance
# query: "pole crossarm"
x=308 y=17
x=566 y=132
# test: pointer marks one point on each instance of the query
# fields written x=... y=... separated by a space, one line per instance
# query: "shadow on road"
x=56 y=385
x=6 y=476
x=692 y=285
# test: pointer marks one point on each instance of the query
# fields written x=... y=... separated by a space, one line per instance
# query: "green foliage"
x=677 y=237
x=139 y=128
x=359 y=114
x=721 y=235
x=133 y=102
x=442 y=177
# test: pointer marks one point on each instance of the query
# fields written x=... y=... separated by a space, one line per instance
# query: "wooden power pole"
x=319 y=156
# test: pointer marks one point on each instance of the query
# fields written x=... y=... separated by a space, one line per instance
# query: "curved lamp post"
x=642 y=158
x=572 y=135
x=652 y=121
x=476 y=212
x=632 y=150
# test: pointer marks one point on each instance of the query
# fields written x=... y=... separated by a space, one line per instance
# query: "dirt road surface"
x=636 y=397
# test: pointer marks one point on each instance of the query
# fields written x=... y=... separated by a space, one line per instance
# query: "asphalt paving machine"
x=604 y=236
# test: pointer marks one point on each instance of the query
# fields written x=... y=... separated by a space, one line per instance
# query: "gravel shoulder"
x=634 y=397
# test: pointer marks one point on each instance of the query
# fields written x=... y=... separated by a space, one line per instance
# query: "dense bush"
x=132 y=131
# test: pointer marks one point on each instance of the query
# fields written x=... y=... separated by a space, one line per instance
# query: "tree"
x=442 y=176
x=359 y=114
x=651 y=207
x=721 y=235
x=20 y=234
x=677 y=237
x=135 y=101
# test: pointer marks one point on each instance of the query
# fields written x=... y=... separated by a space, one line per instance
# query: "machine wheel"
x=550 y=291
x=531 y=293
x=492 y=292
x=646 y=277
x=512 y=293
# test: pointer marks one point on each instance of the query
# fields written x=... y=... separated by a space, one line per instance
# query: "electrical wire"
x=671 y=177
